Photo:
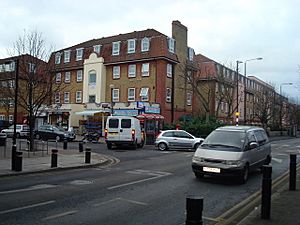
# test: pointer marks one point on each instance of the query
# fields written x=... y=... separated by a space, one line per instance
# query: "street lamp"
x=111 y=86
x=237 y=92
x=14 y=146
x=245 y=75
x=280 y=111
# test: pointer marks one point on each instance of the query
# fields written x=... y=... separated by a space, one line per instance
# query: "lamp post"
x=245 y=75
x=281 y=106
x=14 y=145
x=111 y=86
x=237 y=92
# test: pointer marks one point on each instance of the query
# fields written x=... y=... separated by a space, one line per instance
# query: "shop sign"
x=140 y=104
x=126 y=112
x=150 y=109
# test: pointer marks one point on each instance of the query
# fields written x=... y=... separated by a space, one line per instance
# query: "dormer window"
x=97 y=48
x=79 y=54
x=57 y=57
x=131 y=46
x=116 y=48
x=67 y=56
x=171 y=45
x=145 y=44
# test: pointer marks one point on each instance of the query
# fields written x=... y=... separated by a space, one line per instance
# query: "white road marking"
x=120 y=199
x=81 y=182
x=277 y=160
x=35 y=187
x=60 y=215
x=156 y=174
x=26 y=207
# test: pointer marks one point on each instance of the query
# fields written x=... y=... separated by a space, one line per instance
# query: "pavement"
x=285 y=204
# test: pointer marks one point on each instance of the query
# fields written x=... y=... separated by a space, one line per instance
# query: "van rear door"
x=113 y=129
x=126 y=129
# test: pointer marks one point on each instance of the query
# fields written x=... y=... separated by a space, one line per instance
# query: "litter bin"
x=3 y=139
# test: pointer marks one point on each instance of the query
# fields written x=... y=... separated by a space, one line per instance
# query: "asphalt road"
x=145 y=187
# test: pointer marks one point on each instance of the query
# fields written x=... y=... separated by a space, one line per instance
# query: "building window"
x=132 y=70
x=97 y=48
x=31 y=67
x=67 y=77
x=131 y=46
x=78 y=96
x=171 y=45
x=92 y=78
x=67 y=56
x=145 y=69
x=131 y=94
x=92 y=98
x=115 y=95
x=144 y=94
x=188 y=98
x=190 y=54
x=67 y=97
x=2 y=117
x=145 y=44
x=79 y=76
x=116 y=48
x=116 y=72
x=169 y=70
x=168 y=94
x=79 y=54
x=57 y=57
x=10 y=118
x=58 y=78
x=57 y=97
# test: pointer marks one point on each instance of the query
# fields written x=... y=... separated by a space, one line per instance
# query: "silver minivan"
x=232 y=150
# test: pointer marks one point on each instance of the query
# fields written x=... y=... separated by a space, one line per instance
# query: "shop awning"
x=150 y=116
x=89 y=112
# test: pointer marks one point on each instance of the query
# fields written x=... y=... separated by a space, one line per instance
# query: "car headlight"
x=197 y=159
x=234 y=162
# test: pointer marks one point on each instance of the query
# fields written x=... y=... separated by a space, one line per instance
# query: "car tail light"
x=158 y=134
x=105 y=133
x=133 y=134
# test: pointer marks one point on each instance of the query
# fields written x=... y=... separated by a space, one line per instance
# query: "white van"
x=123 y=130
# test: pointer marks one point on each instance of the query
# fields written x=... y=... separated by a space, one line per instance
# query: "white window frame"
x=171 y=45
x=67 y=97
x=58 y=78
x=2 y=117
x=79 y=75
x=116 y=48
x=131 y=46
x=189 y=98
x=131 y=97
x=78 y=96
x=116 y=72
x=67 y=56
x=57 y=97
x=10 y=117
x=169 y=70
x=79 y=54
x=67 y=77
x=57 y=57
x=145 y=70
x=144 y=94
x=92 y=73
x=145 y=44
x=115 y=95
x=131 y=70
x=97 y=48
x=168 y=96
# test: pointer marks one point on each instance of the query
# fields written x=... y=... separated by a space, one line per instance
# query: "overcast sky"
x=223 y=30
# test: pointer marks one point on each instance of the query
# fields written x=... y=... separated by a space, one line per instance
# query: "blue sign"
x=154 y=110
x=126 y=112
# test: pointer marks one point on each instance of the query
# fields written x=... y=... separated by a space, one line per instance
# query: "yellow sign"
x=237 y=113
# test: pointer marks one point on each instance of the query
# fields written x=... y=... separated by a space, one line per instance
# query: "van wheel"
x=162 y=146
x=245 y=175
x=109 y=146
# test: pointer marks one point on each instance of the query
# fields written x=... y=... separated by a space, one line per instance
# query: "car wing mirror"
x=253 y=145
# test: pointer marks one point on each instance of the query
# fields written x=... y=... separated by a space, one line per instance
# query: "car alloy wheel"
x=162 y=146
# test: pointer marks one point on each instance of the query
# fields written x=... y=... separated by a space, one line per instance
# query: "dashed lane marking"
x=60 y=215
x=35 y=187
x=26 y=207
x=120 y=199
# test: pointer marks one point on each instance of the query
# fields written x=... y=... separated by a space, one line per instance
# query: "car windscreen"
x=113 y=123
x=225 y=140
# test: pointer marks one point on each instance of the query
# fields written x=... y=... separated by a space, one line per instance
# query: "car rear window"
x=113 y=123
x=125 y=123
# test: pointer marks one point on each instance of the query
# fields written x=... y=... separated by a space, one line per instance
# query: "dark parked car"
x=46 y=132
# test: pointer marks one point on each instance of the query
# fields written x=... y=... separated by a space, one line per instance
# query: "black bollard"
x=194 y=208
x=13 y=157
x=65 y=144
x=54 y=158
x=18 y=162
x=293 y=164
x=266 y=192
x=80 y=147
x=88 y=155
